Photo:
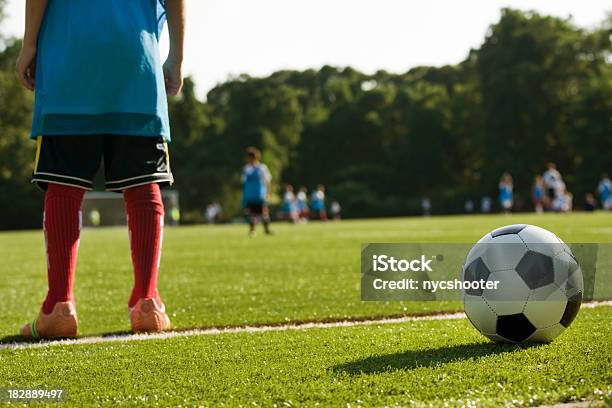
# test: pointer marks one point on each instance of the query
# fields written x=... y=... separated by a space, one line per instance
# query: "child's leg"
x=323 y=215
x=265 y=218
x=145 y=212
x=62 y=227
x=251 y=217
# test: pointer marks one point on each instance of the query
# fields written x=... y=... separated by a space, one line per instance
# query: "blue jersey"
x=538 y=192
x=302 y=205
x=317 y=200
x=605 y=189
x=255 y=179
x=505 y=192
x=289 y=202
x=98 y=69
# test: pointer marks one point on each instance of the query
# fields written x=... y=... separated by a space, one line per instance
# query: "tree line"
x=538 y=89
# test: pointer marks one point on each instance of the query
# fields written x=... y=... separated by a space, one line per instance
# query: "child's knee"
x=147 y=196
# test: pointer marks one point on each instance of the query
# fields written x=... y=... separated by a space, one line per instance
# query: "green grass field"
x=217 y=276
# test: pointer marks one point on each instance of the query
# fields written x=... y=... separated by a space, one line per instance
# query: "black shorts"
x=129 y=161
x=255 y=208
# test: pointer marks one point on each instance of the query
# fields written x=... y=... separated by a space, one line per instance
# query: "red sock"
x=145 y=212
x=62 y=226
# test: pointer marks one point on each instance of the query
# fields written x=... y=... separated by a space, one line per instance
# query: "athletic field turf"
x=218 y=277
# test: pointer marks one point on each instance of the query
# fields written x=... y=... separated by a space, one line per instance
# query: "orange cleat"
x=148 y=316
x=60 y=323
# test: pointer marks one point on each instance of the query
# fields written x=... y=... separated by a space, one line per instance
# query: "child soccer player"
x=302 y=204
x=100 y=94
x=256 y=180
x=317 y=202
x=506 y=187
x=552 y=180
x=538 y=194
x=604 y=188
x=289 y=208
x=335 y=210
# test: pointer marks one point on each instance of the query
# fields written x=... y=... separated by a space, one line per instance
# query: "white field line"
x=247 y=329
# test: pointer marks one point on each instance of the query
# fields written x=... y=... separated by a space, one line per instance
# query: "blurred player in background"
x=506 y=192
x=563 y=201
x=426 y=206
x=302 y=204
x=100 y=93
x=538 y=194
x=552 y=181
x=317 y=203
x=486 y=204
x=212 y=213
x=289 y=208
x=256 y=179
x=604 y=188
x=590 y=204
x=468 y=206
x=335 y=209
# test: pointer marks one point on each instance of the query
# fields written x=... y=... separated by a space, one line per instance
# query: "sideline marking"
x=248 y=329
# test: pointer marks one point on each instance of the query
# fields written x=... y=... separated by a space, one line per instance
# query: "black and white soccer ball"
x=539 y=289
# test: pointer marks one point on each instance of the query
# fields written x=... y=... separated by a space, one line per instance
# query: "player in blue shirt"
x=302 y=204
x=604 y=188
x=506 y=187
x=256 y=181
x=289 y=208
x=538 y=194
x=317 y=203
x=100 y=94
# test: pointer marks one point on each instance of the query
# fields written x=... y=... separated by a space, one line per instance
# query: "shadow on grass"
x=18 y=339
x=411 y=359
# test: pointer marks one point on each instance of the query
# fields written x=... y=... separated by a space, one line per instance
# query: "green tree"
x=590 y=126
x=530 y=70
x=20 y=203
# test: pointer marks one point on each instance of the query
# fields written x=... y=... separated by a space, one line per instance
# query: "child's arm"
x=175 y=11
x=26 y=62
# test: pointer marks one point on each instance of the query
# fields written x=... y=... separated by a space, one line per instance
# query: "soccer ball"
x=539 y=287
